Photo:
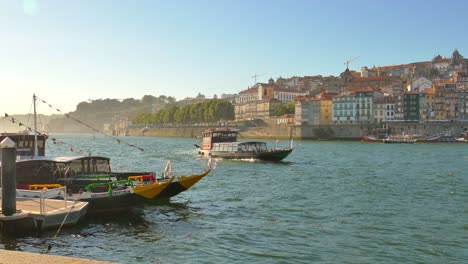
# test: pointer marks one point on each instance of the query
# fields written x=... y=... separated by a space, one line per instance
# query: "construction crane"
x=257 y=75
x=351 y=60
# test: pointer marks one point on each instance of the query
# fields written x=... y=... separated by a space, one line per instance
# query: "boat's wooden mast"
x=35 y=127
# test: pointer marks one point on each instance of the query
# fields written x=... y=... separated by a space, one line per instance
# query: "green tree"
x=279 y=110
x=148 y=100
x=283 y=109
x=291 y=108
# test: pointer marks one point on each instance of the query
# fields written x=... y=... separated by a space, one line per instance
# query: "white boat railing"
x=43 y=196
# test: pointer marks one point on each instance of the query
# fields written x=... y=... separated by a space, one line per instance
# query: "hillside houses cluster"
x=422 y=91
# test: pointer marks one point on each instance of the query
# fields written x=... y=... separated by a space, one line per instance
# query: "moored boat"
x=430 y=139
x=108 y=197
x=149 y=190
x=175 y=184
x=370 y=139
x=90 y=178
x=400 y=139
x=43 y=209
x=181 y=184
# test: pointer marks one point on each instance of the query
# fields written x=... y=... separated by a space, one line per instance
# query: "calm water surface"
x=328 y=202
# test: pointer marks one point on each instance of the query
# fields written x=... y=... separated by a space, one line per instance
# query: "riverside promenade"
x=17 y=257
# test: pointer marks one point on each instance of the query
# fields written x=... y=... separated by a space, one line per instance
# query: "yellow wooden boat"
x=150 y=191
x=182 y=183
x=189 y=181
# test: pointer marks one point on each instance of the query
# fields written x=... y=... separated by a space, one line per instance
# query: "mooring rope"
x=60 y=227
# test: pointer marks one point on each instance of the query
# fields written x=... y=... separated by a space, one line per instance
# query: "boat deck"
x=40 y=214
x=33 y=205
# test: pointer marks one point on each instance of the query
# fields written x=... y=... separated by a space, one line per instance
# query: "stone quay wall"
x=310 y=132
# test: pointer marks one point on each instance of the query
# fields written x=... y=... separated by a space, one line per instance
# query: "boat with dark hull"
x=115 y=197
x=89 y=178
x=175 y=184
x=222 y=143
x=84 y=178
x=181 y=184
x=248 y=150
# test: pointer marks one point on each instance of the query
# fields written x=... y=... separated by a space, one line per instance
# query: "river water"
x=328 y=202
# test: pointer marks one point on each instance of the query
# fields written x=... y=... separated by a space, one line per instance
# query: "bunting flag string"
x=55 y=141
x=20 y=124
x=72 y=148
x=93 y=129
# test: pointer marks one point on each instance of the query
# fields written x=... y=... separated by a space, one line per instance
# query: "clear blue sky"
x=71 y=51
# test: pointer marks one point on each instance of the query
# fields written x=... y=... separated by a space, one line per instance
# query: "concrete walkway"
x=17 y=257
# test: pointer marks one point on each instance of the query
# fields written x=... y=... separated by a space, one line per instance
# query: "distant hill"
x=18 y=123
x=93 y=113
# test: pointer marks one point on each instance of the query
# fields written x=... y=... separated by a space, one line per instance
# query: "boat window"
x=40 y=143
x=102 y=166
x=76 y=167
x=88 y=164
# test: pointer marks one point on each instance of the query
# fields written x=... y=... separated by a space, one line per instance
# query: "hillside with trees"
x=95 y=113
x=210 y=111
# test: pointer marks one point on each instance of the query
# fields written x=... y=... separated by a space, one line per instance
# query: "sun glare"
x=30 y=7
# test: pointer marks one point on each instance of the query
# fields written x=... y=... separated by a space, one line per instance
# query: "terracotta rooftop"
x=304 y=97
x=428 y=91
x=359 y=89
x=251 y=90
x=345 y=95
x=370 y=79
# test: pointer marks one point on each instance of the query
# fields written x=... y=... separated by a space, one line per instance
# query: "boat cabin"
x=251 y=146
x=62 y=170
x=25 y=143
x=218 y=135
x=85 y=165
